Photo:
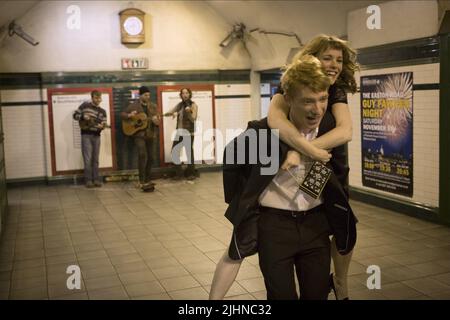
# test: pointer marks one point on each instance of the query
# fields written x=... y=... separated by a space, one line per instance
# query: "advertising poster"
x=387 y=132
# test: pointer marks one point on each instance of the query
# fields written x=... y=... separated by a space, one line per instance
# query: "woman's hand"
x=156 y=119
x=319 y=154
x=292 y=160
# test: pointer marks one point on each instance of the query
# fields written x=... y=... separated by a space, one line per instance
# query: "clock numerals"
x=133 y=26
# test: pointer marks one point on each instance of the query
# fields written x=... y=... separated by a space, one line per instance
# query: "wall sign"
x=134 y=63
x=387 y=132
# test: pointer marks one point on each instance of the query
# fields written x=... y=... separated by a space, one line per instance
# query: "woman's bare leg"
x=224 y=276
x=341 y=265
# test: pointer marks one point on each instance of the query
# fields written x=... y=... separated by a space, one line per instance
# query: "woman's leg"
x=224 y=276
x=341 y=265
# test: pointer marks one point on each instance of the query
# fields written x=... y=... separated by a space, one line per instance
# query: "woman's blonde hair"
x=323 y=42
x=306 y=71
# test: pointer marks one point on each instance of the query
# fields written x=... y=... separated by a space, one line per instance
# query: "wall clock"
x=132 y=26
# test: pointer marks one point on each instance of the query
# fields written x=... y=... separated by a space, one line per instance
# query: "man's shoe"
x=90 y=185
x=147 y=185
x=98 y=184
x=191 y=177
x=148 y=188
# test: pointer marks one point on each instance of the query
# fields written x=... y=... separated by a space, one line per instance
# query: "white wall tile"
x=232 y=89
x=24 y=142
x=22 y=95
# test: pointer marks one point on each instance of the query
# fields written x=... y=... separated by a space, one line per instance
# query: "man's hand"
x=188 y=109
x=86 y=117
x=292 y=160
x=132 y=114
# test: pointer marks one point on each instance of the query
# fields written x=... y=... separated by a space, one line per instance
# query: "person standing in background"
x=186 y=114
x=92 y=119
x=144 y=138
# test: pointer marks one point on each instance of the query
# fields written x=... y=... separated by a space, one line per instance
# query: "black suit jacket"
x=243 y=184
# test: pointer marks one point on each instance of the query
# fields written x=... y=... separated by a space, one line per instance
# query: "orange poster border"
x=54 y=91
x=177 y=88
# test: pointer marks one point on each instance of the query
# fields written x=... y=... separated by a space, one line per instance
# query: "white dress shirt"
x=283 y=191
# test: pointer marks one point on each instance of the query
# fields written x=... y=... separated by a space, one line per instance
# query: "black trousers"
x=145 y=158
x=189 y=153
x=286 y=241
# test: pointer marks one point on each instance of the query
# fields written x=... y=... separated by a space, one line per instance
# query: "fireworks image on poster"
x=386 y=132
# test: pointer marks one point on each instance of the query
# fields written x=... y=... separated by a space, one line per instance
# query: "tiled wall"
x=24 y=129
x=425 y=135
x=265 y=100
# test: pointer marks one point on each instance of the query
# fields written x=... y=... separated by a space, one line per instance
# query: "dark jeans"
x=145 y=158
x=286 y=241
x=90 y=148
x=189 y=153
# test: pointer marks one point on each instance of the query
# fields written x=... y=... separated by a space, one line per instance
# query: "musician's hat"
x=143 y=90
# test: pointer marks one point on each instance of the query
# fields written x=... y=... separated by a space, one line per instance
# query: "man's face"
x=96 y=100
x=185 y=95
x=307 y=108
x=145 y=97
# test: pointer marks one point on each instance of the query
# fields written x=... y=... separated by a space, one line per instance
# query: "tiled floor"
x=164 y=245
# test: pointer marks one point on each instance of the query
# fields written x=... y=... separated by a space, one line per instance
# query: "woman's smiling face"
x=332 y=62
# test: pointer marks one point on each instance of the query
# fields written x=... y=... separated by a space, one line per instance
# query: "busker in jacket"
x=144 y=138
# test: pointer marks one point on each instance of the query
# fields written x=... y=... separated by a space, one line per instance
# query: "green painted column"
x=444 y=131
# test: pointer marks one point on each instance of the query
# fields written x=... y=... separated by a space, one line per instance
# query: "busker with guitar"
x=140 y=120
x=92 y=119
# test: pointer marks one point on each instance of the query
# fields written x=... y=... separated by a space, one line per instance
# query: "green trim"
x=409 y=52
x=125 y=174
x=426 y=86
x=409 y=208
x=406 y=63
x=236 y=96
x=118 y=78
x=26 y=182
x=149 y=77
x=444 y=133
x=24 y=103
x=421 y=42
x=20 y=80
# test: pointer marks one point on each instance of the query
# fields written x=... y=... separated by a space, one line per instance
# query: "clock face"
x=133 y=26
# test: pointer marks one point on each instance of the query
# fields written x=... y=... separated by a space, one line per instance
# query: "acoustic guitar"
x=136 y=123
